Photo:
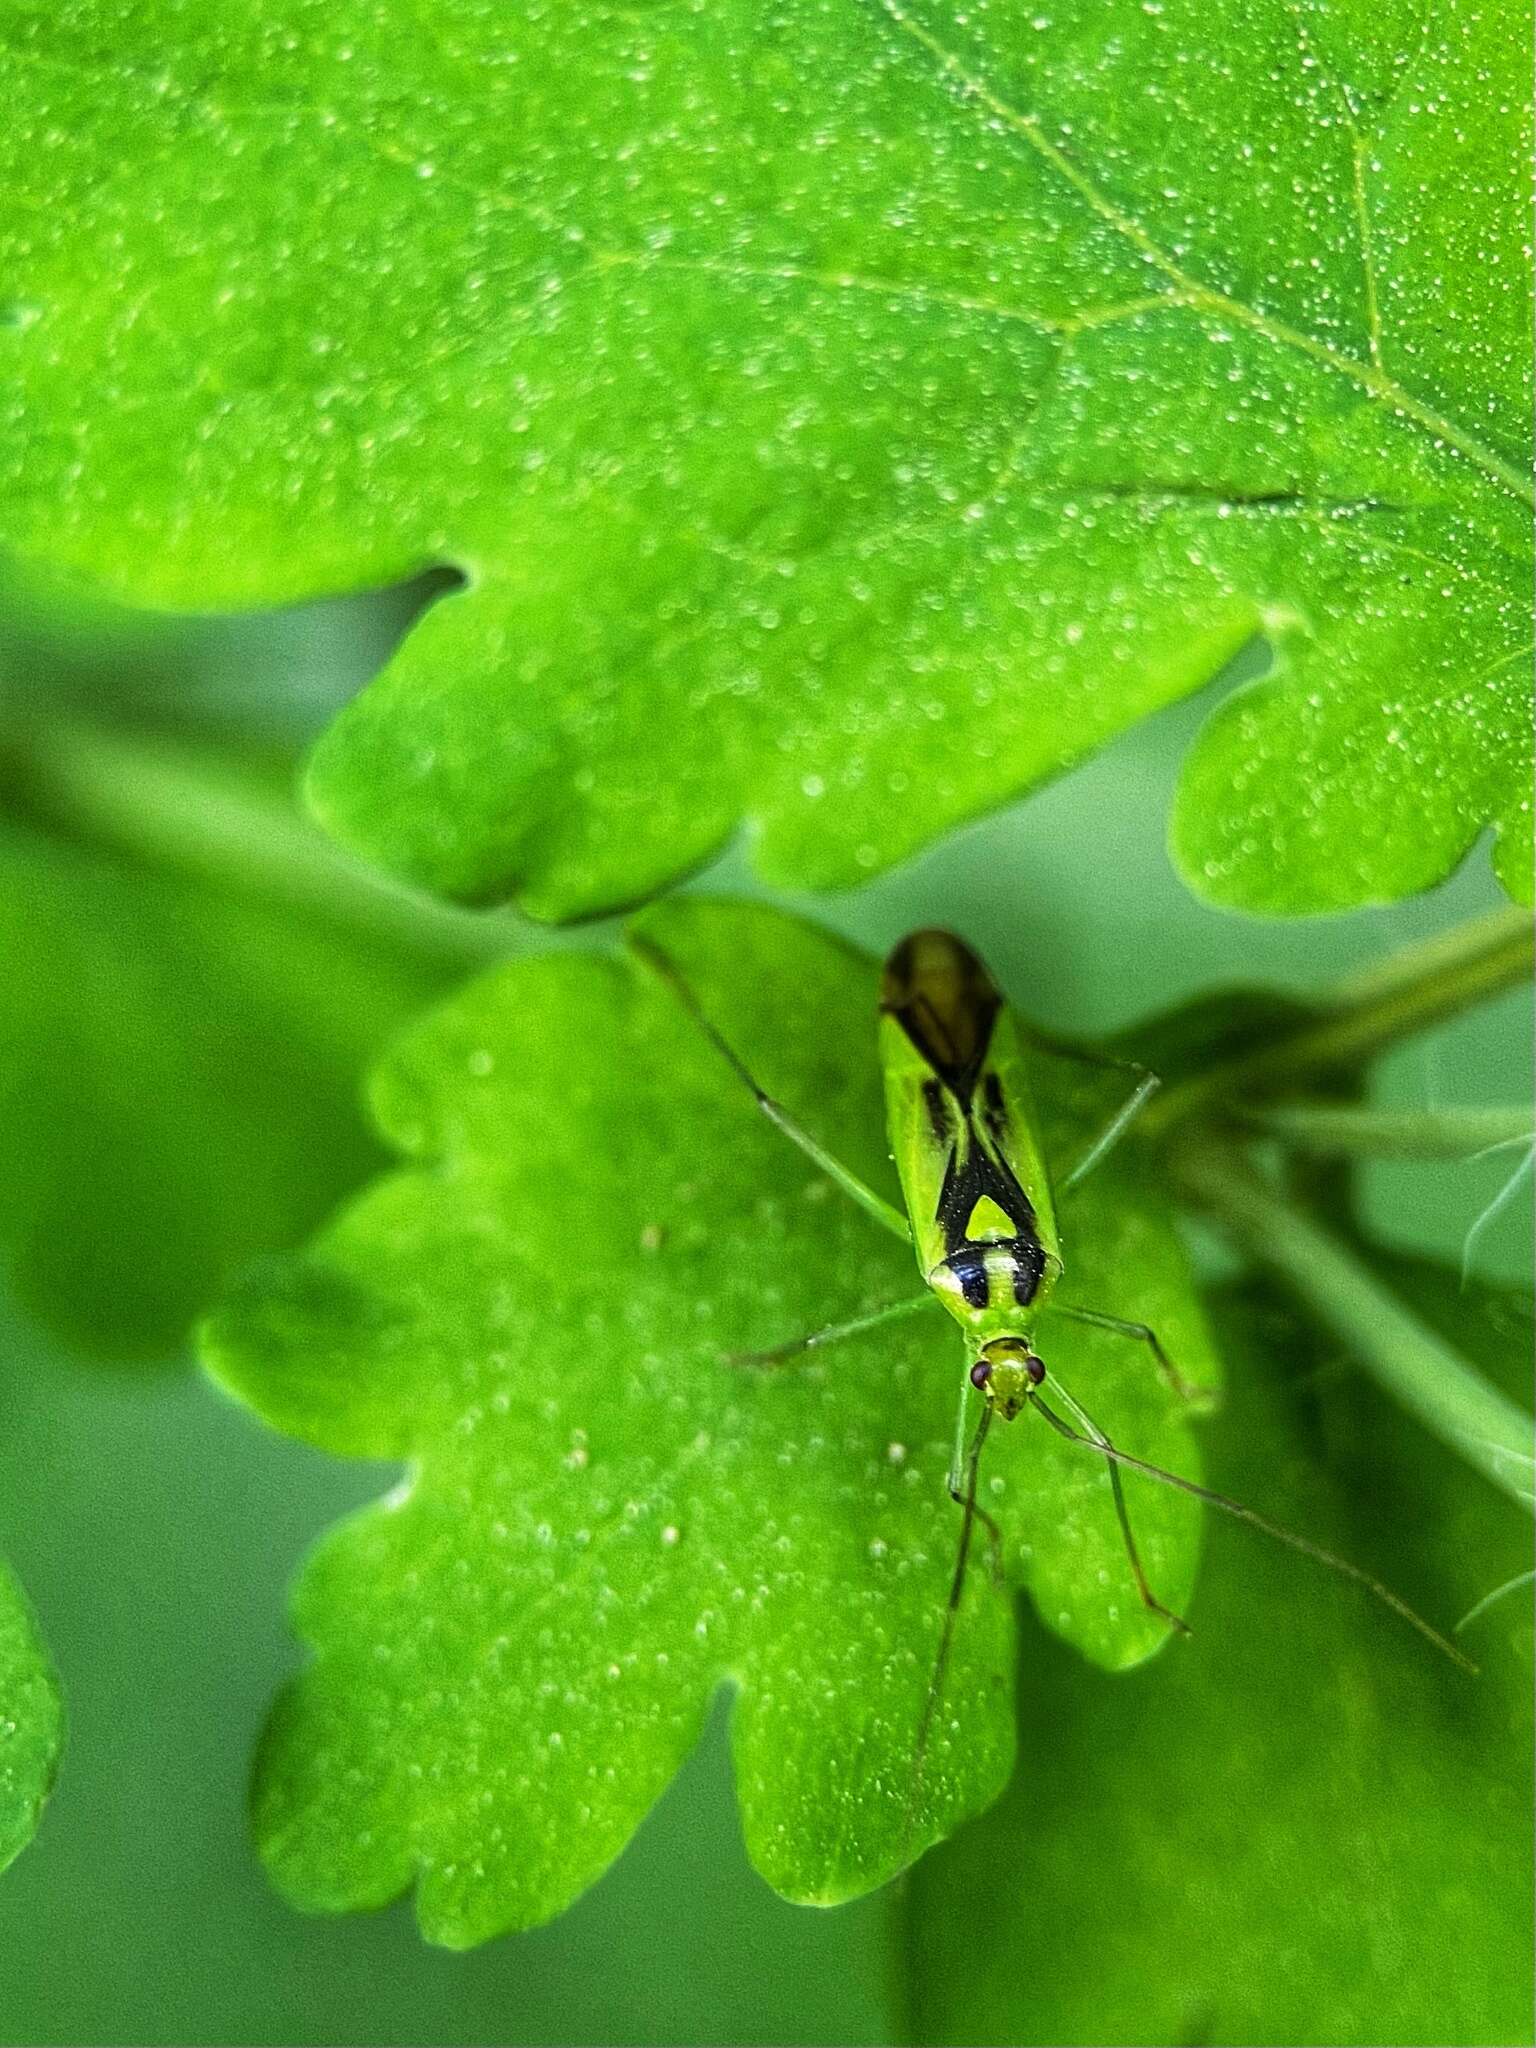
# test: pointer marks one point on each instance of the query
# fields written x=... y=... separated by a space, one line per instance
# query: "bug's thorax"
x=994 y=1290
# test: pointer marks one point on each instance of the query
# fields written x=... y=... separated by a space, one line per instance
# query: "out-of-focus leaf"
x=31 y=1721
x=845 y=415
x=604 y=1522
x=179 y=1082
x=1304 y=1826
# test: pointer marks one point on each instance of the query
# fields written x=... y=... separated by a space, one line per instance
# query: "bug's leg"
x=1101 y=1442
x=963 y=1495
x=874 y=1205
x=780 y=1354
x=1139 y=1333
x=1097 y=1441
x=964 y=1475
x=1119 y=1123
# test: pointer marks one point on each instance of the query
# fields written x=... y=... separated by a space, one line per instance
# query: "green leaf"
x=31 y=1721
x=1304 y=1826
x=844 y=416
x=604 y=1522
x=178 y=1083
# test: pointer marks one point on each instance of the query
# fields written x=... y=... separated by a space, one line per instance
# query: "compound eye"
x=981 y=1372
x=1035 y=1367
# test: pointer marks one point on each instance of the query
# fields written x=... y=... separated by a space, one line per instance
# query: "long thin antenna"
x=663 y=965
x=1250 y=1515
x=947 y=1633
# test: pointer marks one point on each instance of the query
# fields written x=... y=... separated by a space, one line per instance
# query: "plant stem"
x=195 y=813
x=1417 y=989
x=1427 y=964
x=1343 y=1130
x=1407 y=1358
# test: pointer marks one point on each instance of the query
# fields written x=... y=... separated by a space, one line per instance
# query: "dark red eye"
x=981 y=1372
x=1035 y=1367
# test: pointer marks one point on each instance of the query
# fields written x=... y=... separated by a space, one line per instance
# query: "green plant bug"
x=981 y=1218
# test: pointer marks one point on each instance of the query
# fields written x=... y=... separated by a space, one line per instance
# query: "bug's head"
x=1007 y=1372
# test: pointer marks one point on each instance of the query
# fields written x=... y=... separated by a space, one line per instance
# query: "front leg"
x=873 y=1204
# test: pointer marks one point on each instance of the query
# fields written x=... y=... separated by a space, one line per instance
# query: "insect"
x=981 y=1217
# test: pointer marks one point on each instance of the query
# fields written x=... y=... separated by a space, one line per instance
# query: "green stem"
x=1415 y=990
x=1342 y=1130
x=1428 y=964
x=194 y=813
x=1406 y=1357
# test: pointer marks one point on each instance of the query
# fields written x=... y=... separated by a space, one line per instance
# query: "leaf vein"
x=1369 y=376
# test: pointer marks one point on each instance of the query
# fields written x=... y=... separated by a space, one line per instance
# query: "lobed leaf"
x=31 y=1721
x=1312 y=1829
x=603 y=1523
x=844 y=415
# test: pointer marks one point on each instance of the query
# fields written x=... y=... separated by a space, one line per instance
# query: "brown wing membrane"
x=946 y=1002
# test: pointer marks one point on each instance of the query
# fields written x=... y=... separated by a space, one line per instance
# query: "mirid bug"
x=981 y=1217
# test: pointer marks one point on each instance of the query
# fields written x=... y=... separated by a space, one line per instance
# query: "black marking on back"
x=936 y=1102
x=1028 y=1268
x=976 y=1171
x=994 y=1109
x=973 y=1172
x=1026 y=1260
x=942 y=996
x=969 y=1266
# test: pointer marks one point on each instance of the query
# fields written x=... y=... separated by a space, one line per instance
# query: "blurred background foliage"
x=1309 y=1831
x=194 y=983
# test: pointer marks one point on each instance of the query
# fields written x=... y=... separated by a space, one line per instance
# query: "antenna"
x=951 y=1610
